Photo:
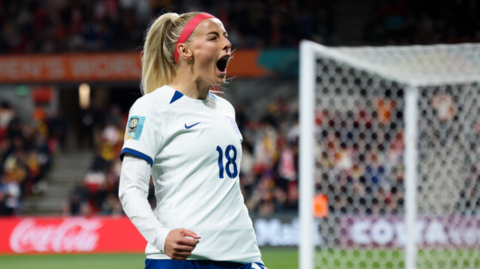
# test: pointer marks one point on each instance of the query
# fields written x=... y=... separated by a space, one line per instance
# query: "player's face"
x=211 y=51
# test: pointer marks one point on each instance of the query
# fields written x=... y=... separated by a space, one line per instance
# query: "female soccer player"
x=187 y=139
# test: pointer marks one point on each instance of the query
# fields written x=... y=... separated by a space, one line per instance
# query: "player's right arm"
x=142 y=143
x=133 y=193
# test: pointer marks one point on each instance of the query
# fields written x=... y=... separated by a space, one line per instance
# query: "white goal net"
x=390 y=156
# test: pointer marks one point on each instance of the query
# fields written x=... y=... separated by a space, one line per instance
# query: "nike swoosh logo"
x=188 y=127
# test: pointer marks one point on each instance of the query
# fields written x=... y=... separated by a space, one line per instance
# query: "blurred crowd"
x=103 y=131
x=408 y=22
x=361 y=177
x=26 y=150
x=360 y=156
x=268 y=171
x=33 y=26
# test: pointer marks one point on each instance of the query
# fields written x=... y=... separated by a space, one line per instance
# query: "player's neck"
x=190 y=86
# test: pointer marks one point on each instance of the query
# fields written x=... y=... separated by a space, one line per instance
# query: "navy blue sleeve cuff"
x=136 y=153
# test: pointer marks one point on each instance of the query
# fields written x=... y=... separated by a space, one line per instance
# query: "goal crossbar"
x=451 y=64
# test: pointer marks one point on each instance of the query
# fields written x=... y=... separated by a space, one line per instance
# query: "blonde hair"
x=158 y=64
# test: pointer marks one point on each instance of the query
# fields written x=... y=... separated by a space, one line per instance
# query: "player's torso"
x=195 y=155
x=196 y=174
x=197 y=167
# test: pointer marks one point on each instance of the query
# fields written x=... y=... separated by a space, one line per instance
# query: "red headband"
x=187 y=31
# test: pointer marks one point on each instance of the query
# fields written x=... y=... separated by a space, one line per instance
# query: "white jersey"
x=194 y=148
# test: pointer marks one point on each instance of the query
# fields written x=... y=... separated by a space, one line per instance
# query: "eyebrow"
x=216 y=33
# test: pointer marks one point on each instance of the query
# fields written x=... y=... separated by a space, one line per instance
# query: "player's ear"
x=184 y=52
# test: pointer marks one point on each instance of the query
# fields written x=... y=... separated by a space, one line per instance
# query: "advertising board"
x=101 y=67
x=452 y=231
x=116 y=235
x=113 y=235
x=64 y=235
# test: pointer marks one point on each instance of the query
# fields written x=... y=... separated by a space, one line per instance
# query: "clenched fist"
x=178 y=246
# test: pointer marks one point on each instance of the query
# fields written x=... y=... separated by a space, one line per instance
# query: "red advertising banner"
x=64 y=235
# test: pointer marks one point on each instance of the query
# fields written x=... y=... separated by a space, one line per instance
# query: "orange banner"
x=245 y=64
x=71 y=68
x=101 y=67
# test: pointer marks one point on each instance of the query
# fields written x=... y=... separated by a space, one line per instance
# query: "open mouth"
x=222 y=63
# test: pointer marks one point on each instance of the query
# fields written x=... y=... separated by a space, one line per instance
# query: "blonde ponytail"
x=158 y=64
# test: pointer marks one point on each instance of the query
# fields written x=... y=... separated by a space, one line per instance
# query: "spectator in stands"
x=112 y=206
x=4 y=211
x=11 y=196
x=6 y=116
x=57 y=127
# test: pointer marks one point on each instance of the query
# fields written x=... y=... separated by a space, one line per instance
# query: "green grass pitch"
x=274 y=259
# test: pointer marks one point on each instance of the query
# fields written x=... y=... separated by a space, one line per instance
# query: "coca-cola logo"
x=73 y=234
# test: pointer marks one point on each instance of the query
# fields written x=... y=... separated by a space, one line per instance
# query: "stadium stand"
x=423 y=23
x=72 y=26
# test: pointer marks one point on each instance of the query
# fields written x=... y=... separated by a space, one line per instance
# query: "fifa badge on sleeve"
x=134 y=127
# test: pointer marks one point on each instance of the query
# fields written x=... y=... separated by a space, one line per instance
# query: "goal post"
x=306 y=158
x=410 y=161
x=386 y=132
